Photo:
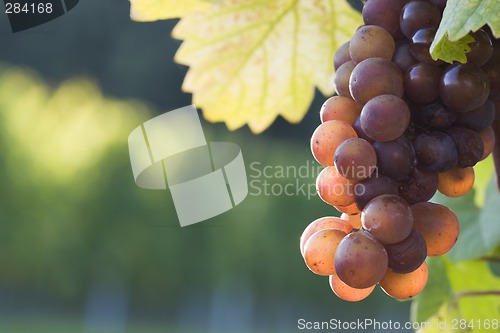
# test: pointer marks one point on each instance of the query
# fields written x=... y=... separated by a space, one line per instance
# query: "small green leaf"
x=449 y=51
x=459 y=18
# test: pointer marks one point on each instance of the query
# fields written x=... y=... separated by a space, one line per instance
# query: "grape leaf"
x=153 y=10
x=252 y=60
x=465 y=290
x=436 y=292
x=459 y=18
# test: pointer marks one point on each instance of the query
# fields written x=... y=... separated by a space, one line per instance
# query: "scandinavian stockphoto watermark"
x=205 y=179
x=280 y=180
x=300 y=180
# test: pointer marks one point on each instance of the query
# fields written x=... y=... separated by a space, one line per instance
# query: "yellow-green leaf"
x=153 y=10
x=252 y=60
x=459 y=18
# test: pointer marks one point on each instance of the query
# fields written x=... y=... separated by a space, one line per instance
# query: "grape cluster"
x=401 y=127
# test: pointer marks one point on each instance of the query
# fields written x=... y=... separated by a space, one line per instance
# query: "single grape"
x=372 y=187
x=421 y=82
x=319 y=251
x=328 y=222
x=456 y=182
x=436 y=151
x=419 y=186
x=464 y=87
x=407 y=255
x=434 y=115
x=421 y=43
x=385 y=117
x=395 y=158
x=342 y=55
x=342 y=78
x=355 y=159
x=479 y=118
x=346 y=293
x=385 y=14
x=417 y=15
x=405 y=286
x=334 y=189
x=373 y=77
x=488 y=138
x=481 y=49
x=371 y=41
x=360 y=260
x=353 y=219
x=402 y=56
x=469 y=145
x=327 y=137
x=340 y=108
x=388 y=218
x=438 y=225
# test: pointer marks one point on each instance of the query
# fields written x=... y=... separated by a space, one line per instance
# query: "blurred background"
x=83 y=249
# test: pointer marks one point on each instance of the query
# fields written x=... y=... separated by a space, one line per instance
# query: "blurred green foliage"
x=71 y=216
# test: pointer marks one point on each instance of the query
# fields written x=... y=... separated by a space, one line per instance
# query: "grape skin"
x=360 y=260
x=420 y=186
x=334 y=189
x=372 y=187
x=436 y=151
x=417 y=15
x=405 y=286
x=319 y=251
x=407 y=255
x=371 y=41
x=342 y=77
x=388 y=218
x=342 y=55
x=464 y=87
x=395 y=158
x=346 y=293
x=385 y=118
x=385 y=14
x=488 y=138
x=438 y=225
x=340 y=108
x=328 y=222
x=456 y=182
x=355 y=159
x=327 y=137
x=373 y=77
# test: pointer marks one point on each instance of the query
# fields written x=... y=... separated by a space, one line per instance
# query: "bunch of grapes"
x=401 y=127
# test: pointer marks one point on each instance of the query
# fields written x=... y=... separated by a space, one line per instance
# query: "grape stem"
x=476 y=294
x=492 y=259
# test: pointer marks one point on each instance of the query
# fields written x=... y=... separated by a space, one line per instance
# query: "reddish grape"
x=438 y=225
x=360 y=260
x=388 y=218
